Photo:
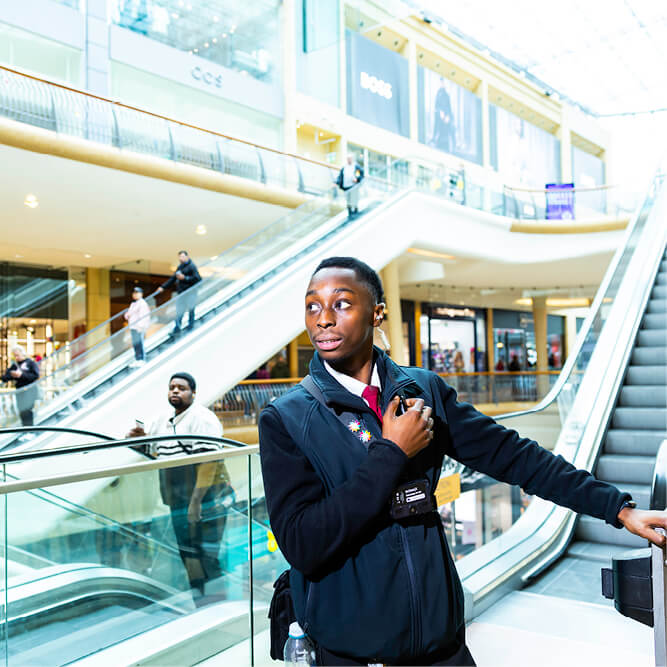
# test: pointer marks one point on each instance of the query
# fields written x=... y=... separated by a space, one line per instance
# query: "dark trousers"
x=185 y=302
x=457 y=655
x=25 y=401
x=138 y=344
x=199 y=544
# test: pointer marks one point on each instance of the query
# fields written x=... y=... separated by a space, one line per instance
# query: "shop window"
x=241 y=36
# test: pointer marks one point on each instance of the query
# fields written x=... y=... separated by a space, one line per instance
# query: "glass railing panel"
x=143 y=133
x=267 y=560
x=24 y=101
x=128 y=552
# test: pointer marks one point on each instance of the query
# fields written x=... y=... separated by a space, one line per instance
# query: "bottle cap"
x=296 y=631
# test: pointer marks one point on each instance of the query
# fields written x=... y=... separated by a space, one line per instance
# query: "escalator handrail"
x=571 y=361
x=110 y=443
x=659 y=484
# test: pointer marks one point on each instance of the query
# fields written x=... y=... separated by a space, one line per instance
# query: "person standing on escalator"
x=184 y=282
x=24 y=372
x=197 y=495
x=349 y=180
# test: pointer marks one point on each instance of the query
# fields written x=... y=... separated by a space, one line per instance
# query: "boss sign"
x=375 y=85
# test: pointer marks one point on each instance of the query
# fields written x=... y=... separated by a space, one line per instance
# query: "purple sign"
x=560 y=201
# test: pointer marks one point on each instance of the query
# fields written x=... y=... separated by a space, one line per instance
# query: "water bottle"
x=299 y=650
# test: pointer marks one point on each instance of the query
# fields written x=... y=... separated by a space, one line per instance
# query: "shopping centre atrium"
x=511 y=198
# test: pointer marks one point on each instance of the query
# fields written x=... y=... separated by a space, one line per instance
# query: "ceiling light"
x=31 y=201
x=215 y=19
x=215 y=40
x=196 y=50
x=224 y=35
x=214 y=258
x=201 y=230
x=206 y=45
x=33 y=321
x=87 y=255
x=18 y=256
x=175 y=15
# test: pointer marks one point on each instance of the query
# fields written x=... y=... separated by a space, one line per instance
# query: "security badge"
x=412 y=499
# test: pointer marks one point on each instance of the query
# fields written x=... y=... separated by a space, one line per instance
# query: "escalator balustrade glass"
x=116 y=552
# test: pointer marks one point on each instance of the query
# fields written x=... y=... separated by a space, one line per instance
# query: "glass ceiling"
x=610 y=56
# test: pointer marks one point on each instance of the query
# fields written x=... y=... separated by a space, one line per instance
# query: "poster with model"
x=523 y=153
x=450 y=116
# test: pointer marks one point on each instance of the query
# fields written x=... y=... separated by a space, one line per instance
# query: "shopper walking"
x=24 y=372
x=196 y=494
x=184 y=282
x=349 y=480
x=349 y=180
x=138 y=319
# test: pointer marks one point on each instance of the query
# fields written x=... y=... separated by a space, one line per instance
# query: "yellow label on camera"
x=272 y=545
x=448 y=489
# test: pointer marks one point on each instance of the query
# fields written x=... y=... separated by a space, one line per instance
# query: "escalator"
x=627 y=459
x=591 y=401
x=93 y=582
x=611 y=406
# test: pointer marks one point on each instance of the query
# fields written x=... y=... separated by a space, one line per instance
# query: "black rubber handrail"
x=109 y=443
x=659 y=485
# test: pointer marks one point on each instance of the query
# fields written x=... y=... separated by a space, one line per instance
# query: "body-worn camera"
x=412 y=499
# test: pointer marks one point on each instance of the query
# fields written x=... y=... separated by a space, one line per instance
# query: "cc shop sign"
x=374 y=85
x=206 y=77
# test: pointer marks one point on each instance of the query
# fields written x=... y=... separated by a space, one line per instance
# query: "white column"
x=394 y=326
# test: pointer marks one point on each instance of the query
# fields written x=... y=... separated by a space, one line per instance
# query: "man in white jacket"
x=138 y=318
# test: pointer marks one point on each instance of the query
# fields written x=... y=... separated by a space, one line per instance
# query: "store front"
x=514 y=340
x=452 y=338
x=33 y=309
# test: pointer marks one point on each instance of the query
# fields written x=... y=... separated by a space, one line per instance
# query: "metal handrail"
x=109 y=443
x=129 y=107
x=659 y=484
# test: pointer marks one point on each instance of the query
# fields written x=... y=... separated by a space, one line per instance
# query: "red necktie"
x=371 y=394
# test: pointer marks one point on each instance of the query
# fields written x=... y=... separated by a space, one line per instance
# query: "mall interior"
x=517 y=261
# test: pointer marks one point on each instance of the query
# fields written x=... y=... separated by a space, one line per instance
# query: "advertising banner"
x=522 y=152
x=450 y=116
x=560 y=201
x=377 y=84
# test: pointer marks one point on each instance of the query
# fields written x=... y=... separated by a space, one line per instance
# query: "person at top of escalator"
x=24 y=372
x=197 y=495
x=183 y=281
x=351 y=458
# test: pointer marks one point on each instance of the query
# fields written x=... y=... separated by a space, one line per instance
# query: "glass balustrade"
x=113 y=555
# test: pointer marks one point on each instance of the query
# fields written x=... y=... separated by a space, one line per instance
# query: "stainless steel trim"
x=659 y=583
x=116 y=471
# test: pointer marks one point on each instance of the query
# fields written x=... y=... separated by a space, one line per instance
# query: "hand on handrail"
x=644 y=523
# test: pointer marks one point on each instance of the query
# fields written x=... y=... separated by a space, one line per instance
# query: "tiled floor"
x=525 y=629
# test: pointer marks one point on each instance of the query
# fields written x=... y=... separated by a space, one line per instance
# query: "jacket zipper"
x=416 y=638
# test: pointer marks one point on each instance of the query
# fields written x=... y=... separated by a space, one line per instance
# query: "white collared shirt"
x=353 y=385
x=197 y=419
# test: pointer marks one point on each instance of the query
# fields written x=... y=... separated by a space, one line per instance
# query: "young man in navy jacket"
x=369 y=588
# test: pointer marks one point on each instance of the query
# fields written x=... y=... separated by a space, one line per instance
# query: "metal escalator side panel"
x=544 y=531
